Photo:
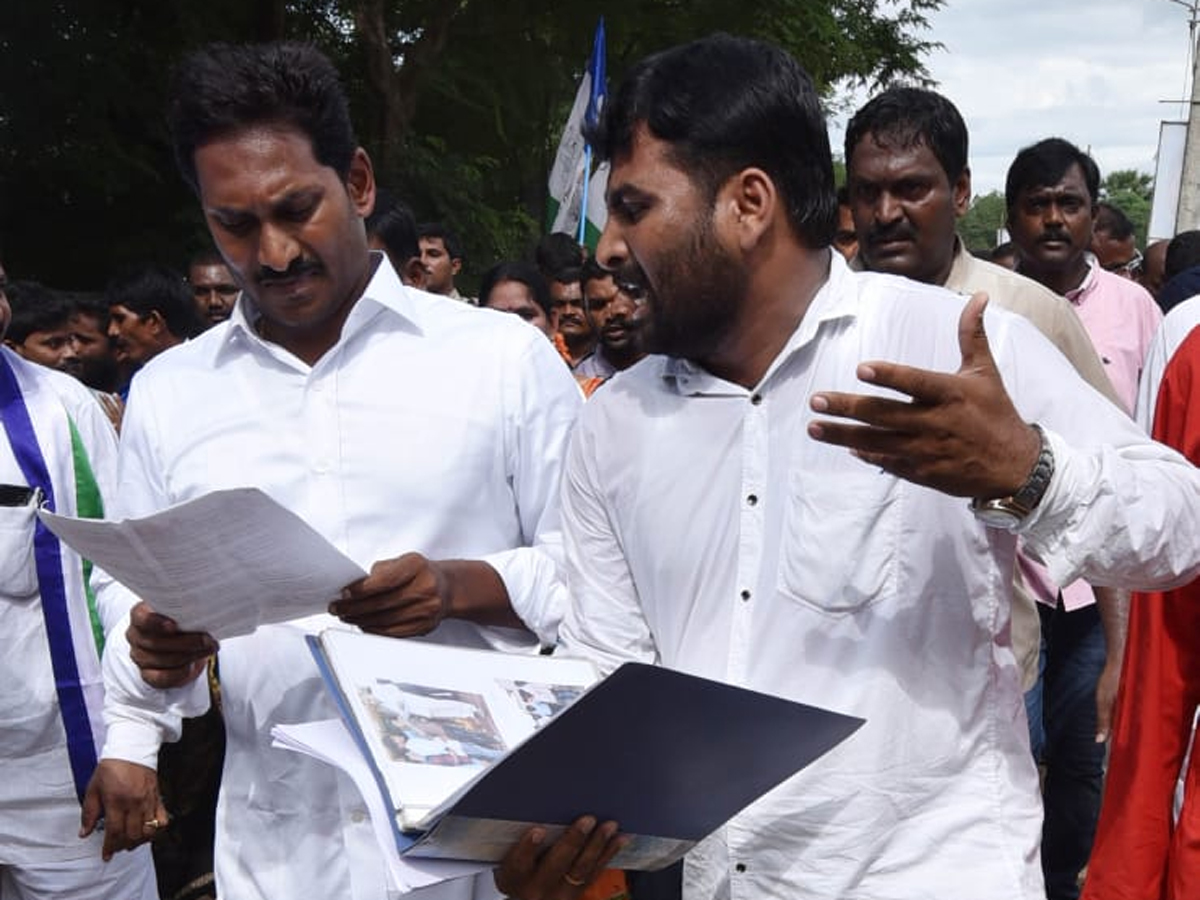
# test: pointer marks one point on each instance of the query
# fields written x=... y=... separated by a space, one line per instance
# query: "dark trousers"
x=1062 y=731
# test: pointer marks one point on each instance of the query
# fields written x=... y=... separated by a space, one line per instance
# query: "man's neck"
x=779 y=295
x=620 y=359
x=308 y=344
x=943 y=274
x=1060 y=280
x=578 y=348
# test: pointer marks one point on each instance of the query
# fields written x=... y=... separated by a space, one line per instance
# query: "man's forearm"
x=1113 y=607
x=139 y=717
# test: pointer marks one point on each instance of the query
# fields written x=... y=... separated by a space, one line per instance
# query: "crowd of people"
x=897 y=480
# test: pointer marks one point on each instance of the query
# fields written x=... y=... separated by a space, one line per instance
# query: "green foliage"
x=982 y=222
x=1128 y=181
x=839 y=170
x=459 y=102
x=1132 y=192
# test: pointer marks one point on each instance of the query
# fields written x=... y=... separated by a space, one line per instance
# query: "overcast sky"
x=1091 y=71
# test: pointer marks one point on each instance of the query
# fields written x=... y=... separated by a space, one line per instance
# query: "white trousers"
x=129 y=876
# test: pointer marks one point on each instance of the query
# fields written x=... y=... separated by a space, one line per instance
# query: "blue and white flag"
x=570 y=190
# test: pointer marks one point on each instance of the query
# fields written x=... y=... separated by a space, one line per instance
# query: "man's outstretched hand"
x=959 y=433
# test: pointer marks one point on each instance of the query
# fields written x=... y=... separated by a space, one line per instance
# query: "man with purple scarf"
x=58 y=450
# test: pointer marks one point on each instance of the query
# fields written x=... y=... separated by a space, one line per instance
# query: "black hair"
x=569 y=275
x=593 y=271
x=150 y=288
x=438 y=231
x=1112 y=221
x=89 y=303
x=1044 y=164
x=514 y=270
x=35 y=307
x=724 y=104
x=207 y=257
x=1182 y=253
x=1001 y=250
x=557 y=251
x=393 y=223
x=225 y=88
x=907 y=116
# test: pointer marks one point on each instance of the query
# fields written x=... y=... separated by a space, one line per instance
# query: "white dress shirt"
x=1176 y=325
x=429 y=426
x=707 y=532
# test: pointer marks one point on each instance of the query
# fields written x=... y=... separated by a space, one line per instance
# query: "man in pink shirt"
x=1051 y=193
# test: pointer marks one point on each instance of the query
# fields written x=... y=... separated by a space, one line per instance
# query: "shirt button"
x=752 y=499
x=740 y=867
x=745 y=595
x=756 y=399
x=358 y=817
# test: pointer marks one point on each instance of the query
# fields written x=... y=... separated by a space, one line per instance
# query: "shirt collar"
x=830 y=302
x=1079 y=294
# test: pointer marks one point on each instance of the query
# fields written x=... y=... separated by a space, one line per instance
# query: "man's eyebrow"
x=622 y=193
x=297 y=196
x=303 y=194
x=225 y=212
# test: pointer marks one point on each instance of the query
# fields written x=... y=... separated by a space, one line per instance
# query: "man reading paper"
x=420 y=436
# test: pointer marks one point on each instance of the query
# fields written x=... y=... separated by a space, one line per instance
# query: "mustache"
x=297 y=269
x=882 y=234
x=1054 y=234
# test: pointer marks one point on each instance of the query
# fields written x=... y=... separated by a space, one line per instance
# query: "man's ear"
x=413 y=273
x=961 y=191
x=749 y=203
x=154 y=319
x=14 y=346
x=455 y=265
x=360 y=183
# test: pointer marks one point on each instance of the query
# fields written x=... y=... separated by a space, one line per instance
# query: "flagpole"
x=587 y=173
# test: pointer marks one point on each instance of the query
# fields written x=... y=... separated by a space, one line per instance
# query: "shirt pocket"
x=18 y=570
x=839 y=546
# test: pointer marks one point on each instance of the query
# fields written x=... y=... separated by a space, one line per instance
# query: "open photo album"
x=469 y=748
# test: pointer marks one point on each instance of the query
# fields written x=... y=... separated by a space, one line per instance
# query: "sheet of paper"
x=224 y=563
x=330 y=742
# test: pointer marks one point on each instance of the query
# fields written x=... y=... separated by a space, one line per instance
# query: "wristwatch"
x=1009 y=512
